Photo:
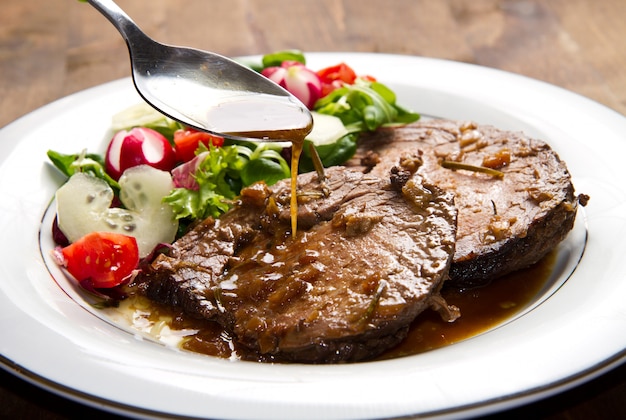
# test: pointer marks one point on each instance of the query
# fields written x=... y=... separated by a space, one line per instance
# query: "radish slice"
x=302 y=82
x=139 y=146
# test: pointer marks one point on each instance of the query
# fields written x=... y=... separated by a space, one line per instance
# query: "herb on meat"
x=450 y=164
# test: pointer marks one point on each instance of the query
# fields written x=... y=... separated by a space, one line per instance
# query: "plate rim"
x=520 y=398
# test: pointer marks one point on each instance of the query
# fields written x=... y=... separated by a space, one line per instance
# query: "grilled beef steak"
x=370 y=254
x=509 y=218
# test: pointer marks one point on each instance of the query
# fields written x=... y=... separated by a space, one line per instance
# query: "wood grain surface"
x=53 y=48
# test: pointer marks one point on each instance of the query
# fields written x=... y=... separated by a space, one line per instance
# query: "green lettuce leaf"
x=364 y=106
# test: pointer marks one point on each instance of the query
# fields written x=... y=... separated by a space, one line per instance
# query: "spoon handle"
x=124 y=24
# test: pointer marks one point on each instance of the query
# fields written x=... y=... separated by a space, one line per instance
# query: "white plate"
x=577 y=332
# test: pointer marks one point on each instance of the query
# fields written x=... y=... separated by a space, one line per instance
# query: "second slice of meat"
x=508 y=219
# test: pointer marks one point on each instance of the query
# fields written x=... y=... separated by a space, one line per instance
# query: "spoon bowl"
x=207 y=91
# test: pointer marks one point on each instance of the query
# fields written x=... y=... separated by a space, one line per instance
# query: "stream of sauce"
x=296 y=151
x=296 y=136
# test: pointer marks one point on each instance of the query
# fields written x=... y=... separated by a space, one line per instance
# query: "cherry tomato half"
x=104 y=258
x=186 y=143
x=334 y=77
x=341 y=72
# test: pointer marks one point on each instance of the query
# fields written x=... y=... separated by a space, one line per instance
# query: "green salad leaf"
x=216 y=177
x=274 y=59
x=278 y=57
x=331 y=154
x=266 y=164
x=364 y=106
x=91 y=163
x=220 y=175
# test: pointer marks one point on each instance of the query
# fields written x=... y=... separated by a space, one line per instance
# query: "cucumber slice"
x=83 y=206
x=327 y=129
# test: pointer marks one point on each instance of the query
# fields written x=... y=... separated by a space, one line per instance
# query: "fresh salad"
x=157 y=177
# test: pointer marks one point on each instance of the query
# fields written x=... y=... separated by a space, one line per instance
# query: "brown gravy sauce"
x=481 y=310
x=296 y=151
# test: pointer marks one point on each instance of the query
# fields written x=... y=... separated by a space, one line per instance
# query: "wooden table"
x=53 y=48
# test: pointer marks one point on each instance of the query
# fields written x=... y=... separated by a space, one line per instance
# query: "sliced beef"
x=508 y=219
x=369 y=256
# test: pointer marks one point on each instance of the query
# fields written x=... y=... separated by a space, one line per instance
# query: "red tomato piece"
x=334 y=77
x=104 y=258
x=186 y=143
x=341 y=72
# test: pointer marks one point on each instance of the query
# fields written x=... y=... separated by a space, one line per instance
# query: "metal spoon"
x=207 y=91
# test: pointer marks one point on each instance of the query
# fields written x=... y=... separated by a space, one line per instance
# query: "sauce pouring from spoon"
x=212 y=93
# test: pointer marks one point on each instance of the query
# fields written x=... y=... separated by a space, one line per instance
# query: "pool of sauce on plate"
x=481 y=310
